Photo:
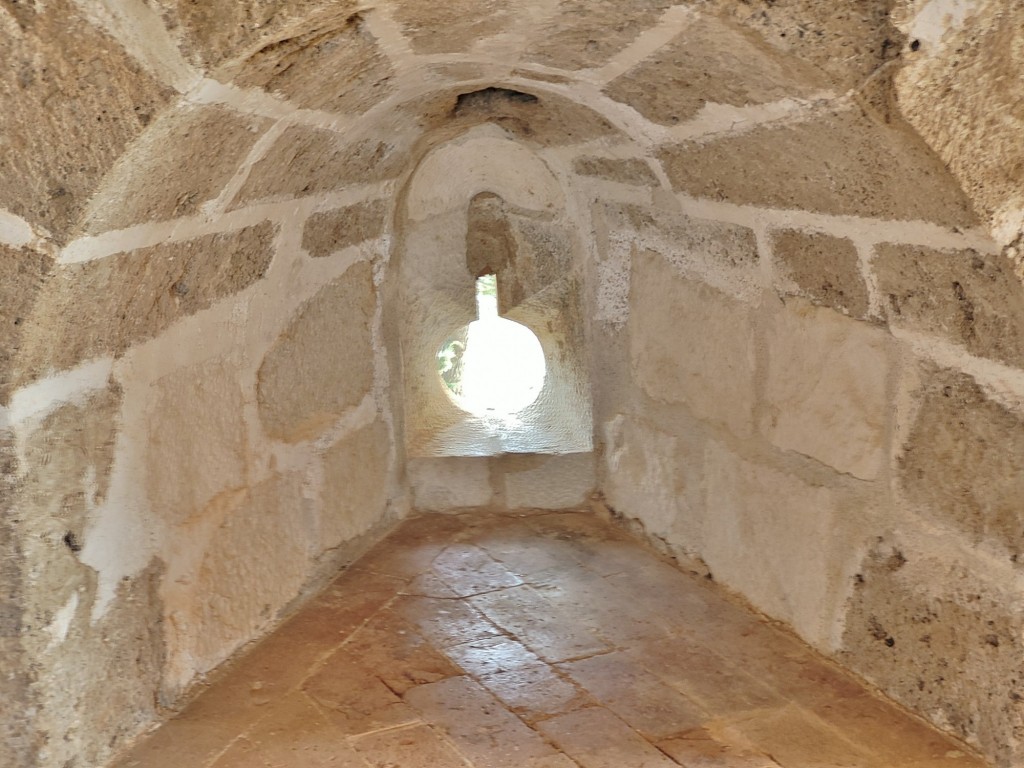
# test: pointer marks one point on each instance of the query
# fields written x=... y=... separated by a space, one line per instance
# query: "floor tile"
x=595 y=738
x=418 y=746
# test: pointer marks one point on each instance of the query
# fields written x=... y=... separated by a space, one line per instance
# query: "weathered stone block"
x=451 y=482
x=323 y=363
x=197 y=445
x=256 y=562
x=588 y=32
x=691 y=344
x=151 y=182
x=22 y=273
x=937 y=637
x=454 y=27
x=309 y=160
x=105 y=306
x=329 y=232
x=787 y=546
x=872 y=170
x=357 y=469
x=973 y=299
x=963 y=462
x=546 y=482
x=338 y=69
x=214 y=32
x=712 y=61
x=825 y=269
x=848 y=41
x=825 y=389
x=628 y=171
x=73 y=100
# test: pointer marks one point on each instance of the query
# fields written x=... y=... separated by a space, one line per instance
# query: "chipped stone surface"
x=22 y=274
x=963 y=463
x=593 y=31
x=105 y=306
x=197 y=431
x=625 y=171
x=455 y=26
x=712 y=62
x=825 y=392
x=803 y=537
x=73 y=101
x=963 y=96
x=970 y=298
x=943 y=642
x=849 y=42
x=328 y=232
x=825 y=269
x=547 y=482
x=357 y=469
x=309 y=160
x=872 y=171
x=150 y=182
x=295 y=67
x=323 y=363
x=691 y=344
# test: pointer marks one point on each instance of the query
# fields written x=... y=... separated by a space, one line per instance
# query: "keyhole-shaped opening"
x=493 y=366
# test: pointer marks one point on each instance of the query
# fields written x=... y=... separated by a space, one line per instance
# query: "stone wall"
x=797 y=342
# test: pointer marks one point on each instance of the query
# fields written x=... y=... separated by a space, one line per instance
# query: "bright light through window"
x=496 y=368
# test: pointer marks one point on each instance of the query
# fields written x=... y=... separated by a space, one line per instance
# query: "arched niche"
x=485 y=204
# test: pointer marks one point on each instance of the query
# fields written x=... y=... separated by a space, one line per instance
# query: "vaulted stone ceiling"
x=193 y=192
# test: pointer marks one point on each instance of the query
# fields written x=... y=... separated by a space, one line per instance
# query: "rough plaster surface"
x=826 y=392
x=547 y=482
x=357 y=468
x=691 y=344
x=322 y=364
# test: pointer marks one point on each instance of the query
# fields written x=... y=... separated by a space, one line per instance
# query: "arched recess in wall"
x=476 y=205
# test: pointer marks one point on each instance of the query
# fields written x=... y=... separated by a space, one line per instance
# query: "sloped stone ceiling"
x=194 y=194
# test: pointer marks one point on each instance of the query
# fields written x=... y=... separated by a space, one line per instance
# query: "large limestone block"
x=309 y=160
x=825 y=391
x=586 y=33
x=691 y=344
x=787 y=546
x=849 y=41
x=547 y=482
x=356 y=481
x=73 y=101
x=644 y=477
x=823 y=268
x=103 y=307
x=217 y=31
x=450 y=482
x=454 y=26
x=328 y=232
x=963 y=463
x=337 y=69
x=944 y=638
x=970 y=298
x=22 y=273
x=197 y=445
x=322 y=365
x=184 y=160
x=839 y=163
x=256 y=562
x=712 y=62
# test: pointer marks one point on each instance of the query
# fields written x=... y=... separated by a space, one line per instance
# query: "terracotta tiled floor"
x=546 y=640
